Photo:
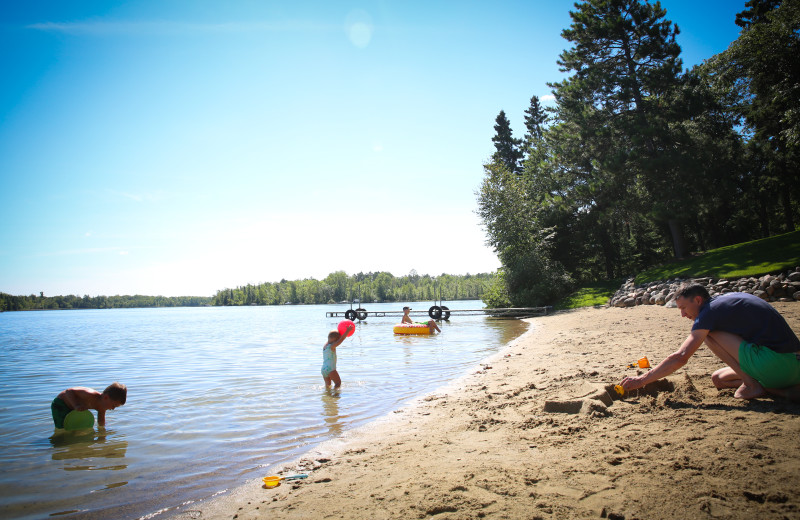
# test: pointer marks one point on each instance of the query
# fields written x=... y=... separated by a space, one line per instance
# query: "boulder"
x=771 y=287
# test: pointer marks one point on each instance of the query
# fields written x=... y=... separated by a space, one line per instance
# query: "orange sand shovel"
x=275 y=481
x=642 y=363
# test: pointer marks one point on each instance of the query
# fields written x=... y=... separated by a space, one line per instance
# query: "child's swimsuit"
x=60 y=411
x=328 y=360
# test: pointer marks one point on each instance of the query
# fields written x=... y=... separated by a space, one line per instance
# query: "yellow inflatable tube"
x=411 y=328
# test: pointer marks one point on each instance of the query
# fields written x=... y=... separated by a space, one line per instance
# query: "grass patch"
x=756 y=258
x=590 y=295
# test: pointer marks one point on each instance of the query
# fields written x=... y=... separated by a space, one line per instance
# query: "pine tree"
x=507 y=149
x=535 y=118
x=756 y=12
x=615 y=121
x=764 y=61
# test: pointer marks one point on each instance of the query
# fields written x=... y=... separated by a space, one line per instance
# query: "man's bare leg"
x=726 y=347
x=726 y=378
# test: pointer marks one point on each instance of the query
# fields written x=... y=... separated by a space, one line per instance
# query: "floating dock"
x=437 y=312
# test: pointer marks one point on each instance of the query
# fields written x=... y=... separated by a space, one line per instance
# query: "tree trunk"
x=608 y=252
x=678 y=240
x=786 y=202
x=763 y=217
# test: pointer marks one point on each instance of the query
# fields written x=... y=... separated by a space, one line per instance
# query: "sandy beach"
x=534 y=433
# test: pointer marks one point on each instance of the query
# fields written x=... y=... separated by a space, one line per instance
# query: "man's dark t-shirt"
x=750 y=317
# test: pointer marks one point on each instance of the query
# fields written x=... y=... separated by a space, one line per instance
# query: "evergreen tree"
x=535 y=119
x=756 y=12
x=615 y=128
x=763 y=65
x=507 y=148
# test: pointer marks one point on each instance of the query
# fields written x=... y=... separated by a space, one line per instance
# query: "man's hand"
x=632 y=383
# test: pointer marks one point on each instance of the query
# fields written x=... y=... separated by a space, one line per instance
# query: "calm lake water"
x=216 y=395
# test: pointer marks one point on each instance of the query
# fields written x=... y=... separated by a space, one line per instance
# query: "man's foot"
x=749 y=392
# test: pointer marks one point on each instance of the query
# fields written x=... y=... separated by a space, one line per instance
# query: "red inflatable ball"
x=343 y=327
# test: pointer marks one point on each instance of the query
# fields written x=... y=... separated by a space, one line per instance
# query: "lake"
x=216 y=396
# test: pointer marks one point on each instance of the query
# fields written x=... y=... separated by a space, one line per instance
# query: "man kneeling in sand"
x=746 y=333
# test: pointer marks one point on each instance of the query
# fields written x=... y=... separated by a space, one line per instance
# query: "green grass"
x=756 y=258
x=590 y=295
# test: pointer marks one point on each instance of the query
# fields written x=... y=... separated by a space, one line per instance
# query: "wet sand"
x=534 y=433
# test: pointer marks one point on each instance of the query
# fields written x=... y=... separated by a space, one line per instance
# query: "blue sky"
x=181 y=147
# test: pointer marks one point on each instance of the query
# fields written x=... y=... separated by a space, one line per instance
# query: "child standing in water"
x=329 y=372
x=81 y=398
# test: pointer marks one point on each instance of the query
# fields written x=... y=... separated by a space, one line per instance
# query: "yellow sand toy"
x=275 y=481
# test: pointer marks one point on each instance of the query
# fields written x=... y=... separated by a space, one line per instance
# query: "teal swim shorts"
x=770 y=368
x=60 y=410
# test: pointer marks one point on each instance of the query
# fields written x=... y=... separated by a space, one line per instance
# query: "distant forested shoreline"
x=336 y=287
x=9 y=302
x=366 y=287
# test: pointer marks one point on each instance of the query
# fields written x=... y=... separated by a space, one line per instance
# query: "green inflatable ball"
x=76 y=420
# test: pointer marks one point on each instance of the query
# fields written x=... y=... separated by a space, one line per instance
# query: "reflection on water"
x=215 y=397
x=330 y=411
x=86 y=446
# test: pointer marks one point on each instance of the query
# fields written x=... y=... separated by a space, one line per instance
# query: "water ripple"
x=216 y=395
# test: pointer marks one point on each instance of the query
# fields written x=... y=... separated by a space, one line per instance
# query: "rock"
x=783 y=286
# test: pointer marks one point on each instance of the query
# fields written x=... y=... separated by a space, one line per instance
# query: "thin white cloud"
x=154 y=196
x=106 y=28
x=547 y=98
x=85 y=251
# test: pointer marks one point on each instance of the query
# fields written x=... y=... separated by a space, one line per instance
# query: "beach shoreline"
x=532 y=432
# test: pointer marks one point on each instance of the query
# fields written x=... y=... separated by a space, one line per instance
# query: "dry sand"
x=534 y=434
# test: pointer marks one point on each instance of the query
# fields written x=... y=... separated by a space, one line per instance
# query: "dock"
x=437 y=312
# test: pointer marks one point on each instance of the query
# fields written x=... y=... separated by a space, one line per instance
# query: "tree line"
x=336 y=287
x=42 y=302
x=366 y=287
x=641 y=161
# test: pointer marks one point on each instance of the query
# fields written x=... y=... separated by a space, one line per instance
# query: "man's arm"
x=671 y=363
x=101 y=417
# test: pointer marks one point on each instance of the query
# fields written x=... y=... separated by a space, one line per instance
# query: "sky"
x=178 y=148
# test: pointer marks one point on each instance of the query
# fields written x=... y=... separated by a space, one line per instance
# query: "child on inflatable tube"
x=430 y=323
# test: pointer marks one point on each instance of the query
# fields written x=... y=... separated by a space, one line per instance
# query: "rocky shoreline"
x=782 y=287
